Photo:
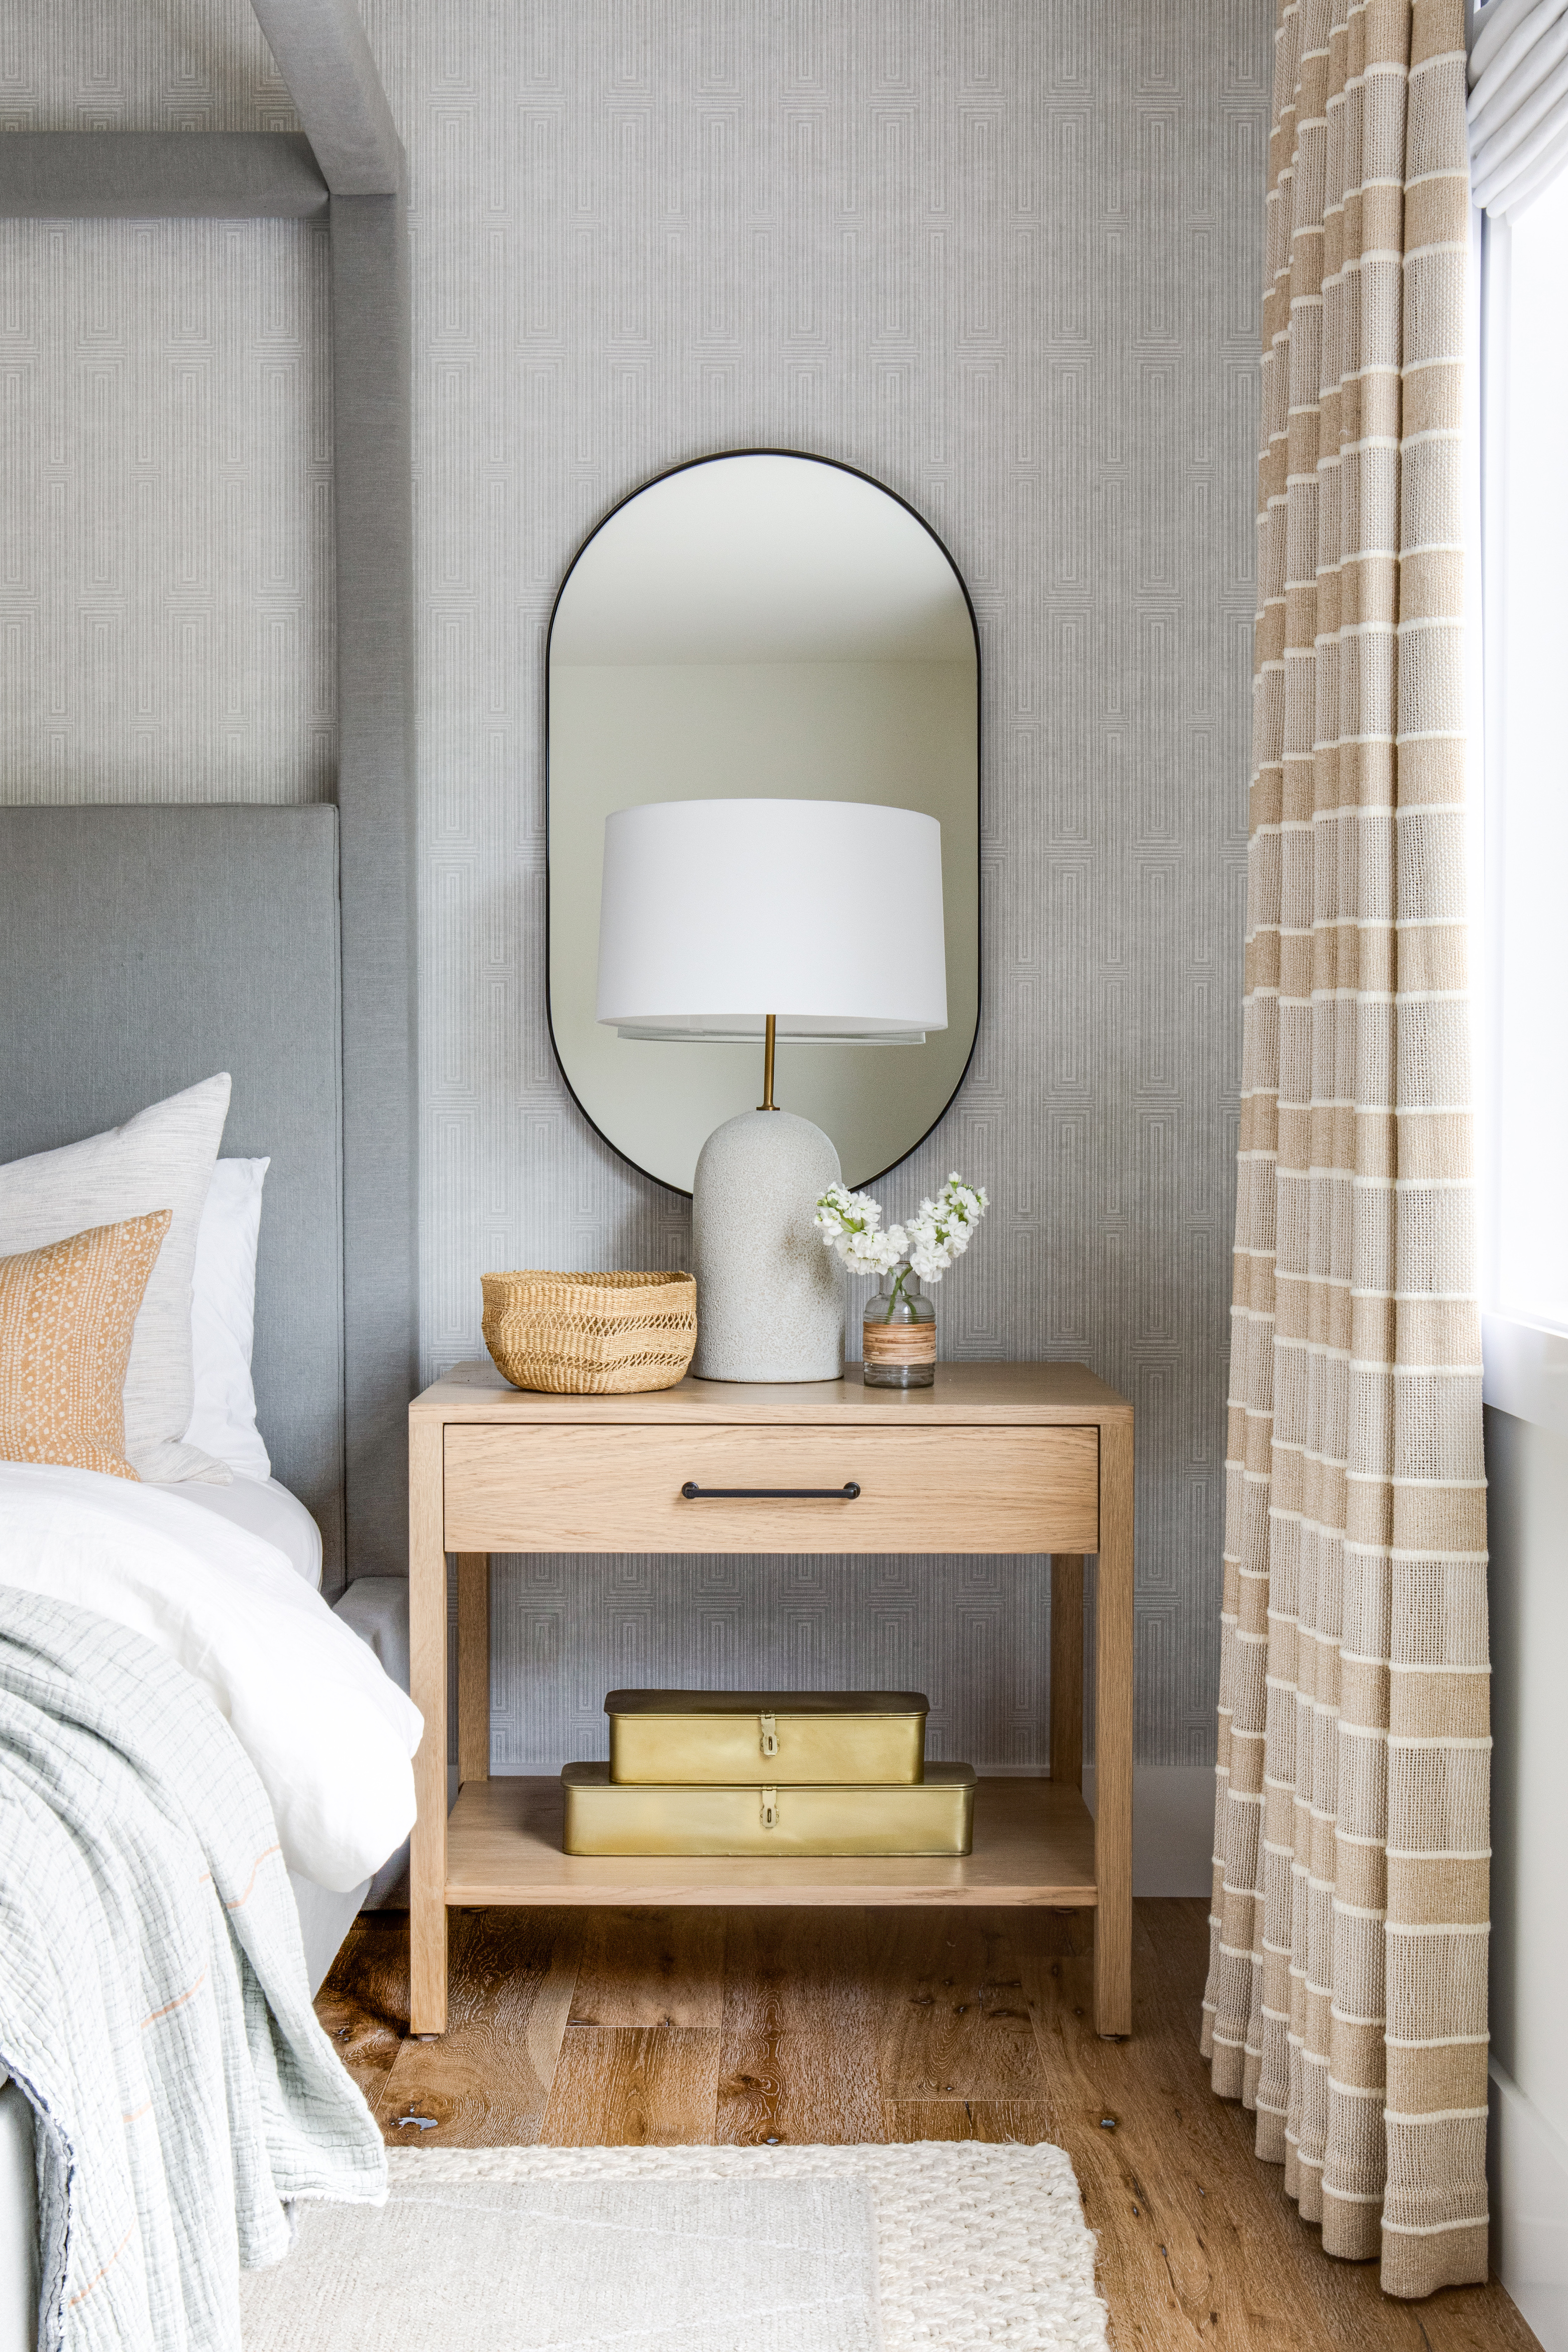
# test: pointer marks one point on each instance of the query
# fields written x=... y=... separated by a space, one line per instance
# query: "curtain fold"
x=1346 y=1997
x=1519 y=103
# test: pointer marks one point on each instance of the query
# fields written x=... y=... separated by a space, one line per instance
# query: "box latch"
x=769 y=1734
x=770 y=1808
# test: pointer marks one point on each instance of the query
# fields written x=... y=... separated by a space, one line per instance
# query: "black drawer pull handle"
x=696 y=1494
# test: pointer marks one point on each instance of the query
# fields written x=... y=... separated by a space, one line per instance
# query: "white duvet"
x=329 y=1733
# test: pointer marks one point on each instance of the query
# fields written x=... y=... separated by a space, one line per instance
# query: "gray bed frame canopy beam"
x=160 y=175
x=319 y=48
x=349 y=167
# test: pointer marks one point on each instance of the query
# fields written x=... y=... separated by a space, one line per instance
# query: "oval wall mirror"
x=761 y=627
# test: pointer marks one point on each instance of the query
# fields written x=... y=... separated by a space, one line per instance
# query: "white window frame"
x=1525 y=1364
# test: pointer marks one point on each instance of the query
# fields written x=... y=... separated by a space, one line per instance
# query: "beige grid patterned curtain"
x=1347 y=2000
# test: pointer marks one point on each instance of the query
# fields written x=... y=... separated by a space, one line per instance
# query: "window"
x=1522 y=1091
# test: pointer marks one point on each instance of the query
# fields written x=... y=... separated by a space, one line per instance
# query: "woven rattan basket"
x=590 y=1334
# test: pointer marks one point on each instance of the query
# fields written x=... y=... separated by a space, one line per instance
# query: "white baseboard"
x=1527 y=2170
x=1173 y=1827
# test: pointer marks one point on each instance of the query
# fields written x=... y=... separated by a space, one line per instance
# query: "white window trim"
x=1526 y=1371
x=1525 y=1365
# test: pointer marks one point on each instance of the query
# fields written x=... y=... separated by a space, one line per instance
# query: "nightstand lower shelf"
x=1034 y=1843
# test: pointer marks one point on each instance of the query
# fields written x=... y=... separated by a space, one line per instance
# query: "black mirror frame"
x=811 y=457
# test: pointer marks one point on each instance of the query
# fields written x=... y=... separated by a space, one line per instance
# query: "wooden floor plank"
x=363 y=2004
x=998 y=2121
x=797 y=2089
x=650 y=2087
x=894 y=2025
x=797 y=1972
x=957 y=2024
x=1166 y=2264
x=651 y=1968
x=486 y=2082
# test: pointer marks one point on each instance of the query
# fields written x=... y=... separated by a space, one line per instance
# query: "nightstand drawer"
x=619 y=1488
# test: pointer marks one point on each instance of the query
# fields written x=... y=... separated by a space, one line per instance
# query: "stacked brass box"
x=768 y=1772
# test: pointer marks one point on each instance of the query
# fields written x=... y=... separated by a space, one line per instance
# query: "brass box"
x=784 y=1737
x=935 y=1815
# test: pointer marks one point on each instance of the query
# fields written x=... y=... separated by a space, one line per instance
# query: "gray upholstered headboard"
x=143 y=947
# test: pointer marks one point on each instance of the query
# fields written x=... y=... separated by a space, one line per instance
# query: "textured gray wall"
x=165 y=511
x=165 y=443
x=1006 y=258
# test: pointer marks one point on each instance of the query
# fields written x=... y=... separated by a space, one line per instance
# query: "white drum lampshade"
x=810 y=921
x=714 y=914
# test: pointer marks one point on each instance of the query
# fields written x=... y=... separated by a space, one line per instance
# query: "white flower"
x=850 y=1222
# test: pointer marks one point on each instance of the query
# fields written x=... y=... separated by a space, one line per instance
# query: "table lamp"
x=767 y=920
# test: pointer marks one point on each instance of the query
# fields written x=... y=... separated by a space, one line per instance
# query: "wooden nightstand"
x=1027 y=1458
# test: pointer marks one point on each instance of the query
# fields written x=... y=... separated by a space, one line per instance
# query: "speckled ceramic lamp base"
x=770 y=1298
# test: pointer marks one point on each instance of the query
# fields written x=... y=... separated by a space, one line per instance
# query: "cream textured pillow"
x=161 y=1158
x=66 y=1316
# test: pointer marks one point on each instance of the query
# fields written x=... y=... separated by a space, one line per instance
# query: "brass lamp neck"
x=767 y=1102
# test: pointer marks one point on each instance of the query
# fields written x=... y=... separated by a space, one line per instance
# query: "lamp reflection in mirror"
x=794 y=921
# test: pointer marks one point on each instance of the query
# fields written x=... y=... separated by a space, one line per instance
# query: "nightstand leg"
x=427 y=1659
x=1067 y=1668
x=472 y=1666
x=1114 y=1735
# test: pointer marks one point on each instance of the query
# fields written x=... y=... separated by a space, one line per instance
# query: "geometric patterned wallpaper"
x=166 y=489
x=1007 y=260
x=165 y=461
x=137 y=65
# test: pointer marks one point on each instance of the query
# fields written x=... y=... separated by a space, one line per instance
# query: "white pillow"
x=223 y=1319
x=161 y=1158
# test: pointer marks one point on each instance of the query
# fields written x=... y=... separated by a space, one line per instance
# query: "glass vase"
x=898 y=1337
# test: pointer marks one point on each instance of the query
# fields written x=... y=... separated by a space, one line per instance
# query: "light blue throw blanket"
x=153 y=2000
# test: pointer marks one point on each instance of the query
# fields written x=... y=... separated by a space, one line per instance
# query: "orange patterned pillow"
x=67 y=1314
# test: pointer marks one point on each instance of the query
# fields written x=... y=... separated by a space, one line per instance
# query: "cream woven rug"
x=935 y=2246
